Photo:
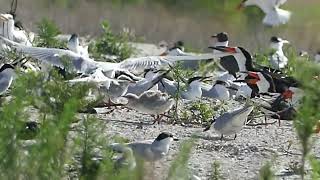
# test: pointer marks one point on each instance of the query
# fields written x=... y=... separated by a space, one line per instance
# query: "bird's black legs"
x=221 y=137
x=235 y=136
x=158 y=118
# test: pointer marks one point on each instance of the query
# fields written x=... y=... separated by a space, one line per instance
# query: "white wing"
x=55 y=56
x=278 y=3
x=142 y=63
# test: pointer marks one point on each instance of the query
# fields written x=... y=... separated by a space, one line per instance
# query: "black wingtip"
x=207 y=129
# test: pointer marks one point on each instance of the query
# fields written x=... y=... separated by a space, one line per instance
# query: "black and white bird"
x=6 y=77
x=237 y=60
x=230 y=123
x=149 y=150
x=219 y=90
x=74 y=45
x=277 y=59
x=259 y=83
x=274 y=16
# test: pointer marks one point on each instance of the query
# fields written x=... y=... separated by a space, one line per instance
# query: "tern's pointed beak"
x=285 y=41
x=224 y=49
x=3 y=18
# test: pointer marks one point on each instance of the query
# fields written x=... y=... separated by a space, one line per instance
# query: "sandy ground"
x=239 y=159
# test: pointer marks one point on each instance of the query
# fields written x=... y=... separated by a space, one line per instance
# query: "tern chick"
x=150 y=102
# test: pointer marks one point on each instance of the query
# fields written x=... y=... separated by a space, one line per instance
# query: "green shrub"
x=113 y=44
x=47 y=32
x=179 y=166
x=266 y=173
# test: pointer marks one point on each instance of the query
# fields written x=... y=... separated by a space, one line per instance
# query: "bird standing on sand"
x=150 y=102
x=148 y=150
x=231 y=122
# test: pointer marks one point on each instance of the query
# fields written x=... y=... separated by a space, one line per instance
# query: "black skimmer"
x=238 y=60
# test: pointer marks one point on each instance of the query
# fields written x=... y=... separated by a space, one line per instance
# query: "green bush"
x=47 y=32
x=113 y=44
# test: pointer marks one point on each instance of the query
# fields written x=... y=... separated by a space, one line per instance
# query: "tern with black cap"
x=277 y=59
x=149 y=150
x=219 y=90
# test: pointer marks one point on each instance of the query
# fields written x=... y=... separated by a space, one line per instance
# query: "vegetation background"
x=192 y=21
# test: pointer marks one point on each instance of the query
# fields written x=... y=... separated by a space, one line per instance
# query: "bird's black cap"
x=221 y=37
x=275 y=39
x=19 y=25
x=179 y=44
x=73 y=36
x=164 y=135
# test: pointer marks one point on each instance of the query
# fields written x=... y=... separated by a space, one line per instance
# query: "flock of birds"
x=143 y=83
